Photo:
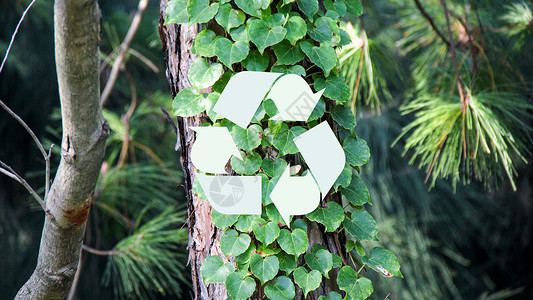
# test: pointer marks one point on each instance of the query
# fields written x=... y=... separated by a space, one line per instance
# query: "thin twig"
x=169 y=119
x=72 y=293
x=125 y=119
x=134 y=26
x=431 y=22
x=7 y=170
x=360 y=71
x=453 y=54
x=99 y=252
x=15 y=34
x=28 y=129
x=470 y=41
x=144 y=59
x=47 y=174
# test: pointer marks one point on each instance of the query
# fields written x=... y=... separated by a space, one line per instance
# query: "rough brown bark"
x=77 y=30
x=203 y=235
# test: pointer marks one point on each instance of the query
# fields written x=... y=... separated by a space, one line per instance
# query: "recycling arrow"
x=208 y=138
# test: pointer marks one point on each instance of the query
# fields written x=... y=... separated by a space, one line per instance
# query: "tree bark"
x=203 y=235
x=77 y=36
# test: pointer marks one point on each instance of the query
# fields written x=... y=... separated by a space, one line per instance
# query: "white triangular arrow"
x=208 y=138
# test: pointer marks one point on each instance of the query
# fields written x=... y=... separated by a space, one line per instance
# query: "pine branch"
x=432 y=22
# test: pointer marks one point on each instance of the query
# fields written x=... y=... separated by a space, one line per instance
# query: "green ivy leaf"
x=308 y=7
x=273 y=214
x=295 y=242
x=231 y=243
x=335 y=86
x=356 y=151
x=324 y=56
x=214 y=270
x=202 y=75
x=266 y=250
x=244 y=224
x=318 y=111
x=270 y=107
x=296 y=29
x=223 y=221
x=265 y=232
x=274 y=20
x=330 y=216
x=284 y=139
x=256 y=62
x=247 y=139
x=383 y=261
x=240 y=34
x=344 y=178
x=344 y=116
x=274 y=168
x=354 y=7
x=307 y=281
x=188 y=102
x=222 y=82
x=199 y=11
x=362 y=226
x=263 y=35
x=240 y=287
x=356 y=288
x=204 y=43
x=267 y=185
x=264 y=268
x=356 y=192
x=250 y=7
x=230 y=53
x=296 y=69
x=331 y=296
x=229 y=18
x=321 y=261
x=324 y=30
x=299 y=223
x=177 y=12
x=250 y=163
x=288 y=54
x=244 y=257
x=287 y=263
x=283 y=289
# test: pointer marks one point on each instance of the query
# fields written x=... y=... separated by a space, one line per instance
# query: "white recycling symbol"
x=318 y=146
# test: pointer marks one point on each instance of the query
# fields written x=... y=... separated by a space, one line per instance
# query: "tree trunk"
x=77 y=29
x=204 y=237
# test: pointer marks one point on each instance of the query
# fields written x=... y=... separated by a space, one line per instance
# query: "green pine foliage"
x=299 y=37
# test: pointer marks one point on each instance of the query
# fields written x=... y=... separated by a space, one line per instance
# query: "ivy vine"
x=293 y=37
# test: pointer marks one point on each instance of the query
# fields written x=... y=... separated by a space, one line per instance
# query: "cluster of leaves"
x=298 y=37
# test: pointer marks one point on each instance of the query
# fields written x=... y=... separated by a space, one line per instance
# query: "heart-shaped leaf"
x=356 y=288
x=307 y=281
x=335 y=88
x=214 y=270
x=239 y=287
x=295 y=242
x=240 y=34
x=247 y=139
x=250 y=7
x=318 y=111
x=177 y=12
x=284 y=139
x=223 y=221
x=229 y=18
x=263 y=35
x=267 y=185
x=344 y=116
x=356 y=192
x=264 y=268
x=274 y=215
x=354 y=7
x=283 y=289
x=356 y=151
x=288 y=54
x=324 y=30
x=321 y=261
x=287 y=263
x=188 y=102
x=344 y=178
x=362 y=226
x=265 y=232
x=202 y=75
x=296 y=70
x=231 y=243
x=323 y=56
x=330 y=216
x=256 y=61
x=250 y=163
x=383 y=261
x=204 y=43
x=200 y=11
x=308 y=7
x=244 y=224
x=244 y=257
x=230 y=53
x=331 y=296
x=296 y=29
x=274 y=168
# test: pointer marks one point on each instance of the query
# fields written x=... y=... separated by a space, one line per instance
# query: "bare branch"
x=47 y=173
x=144 y=59
x=123 y=50
x=15 y=34
x=98 y=252
x=431 y=22
x=7 y=170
